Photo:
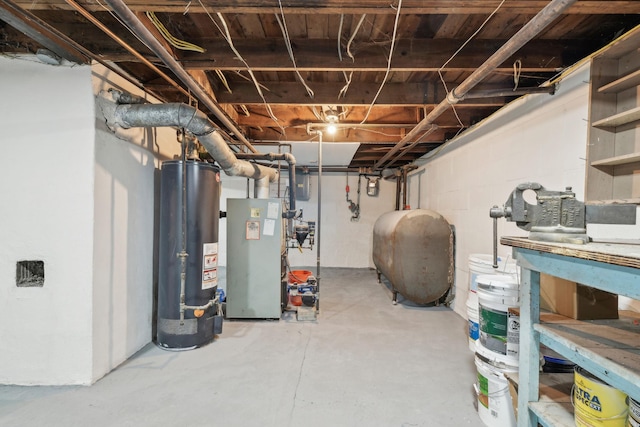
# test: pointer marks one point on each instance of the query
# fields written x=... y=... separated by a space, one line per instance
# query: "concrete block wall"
x=539 y=138
x=47 y=119
x=126 y=198
x=81 y=200
x=344 y=243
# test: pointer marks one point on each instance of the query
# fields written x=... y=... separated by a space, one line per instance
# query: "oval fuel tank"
x=414 y=250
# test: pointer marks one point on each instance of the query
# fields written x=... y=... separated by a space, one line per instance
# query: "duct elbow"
x=290 y=159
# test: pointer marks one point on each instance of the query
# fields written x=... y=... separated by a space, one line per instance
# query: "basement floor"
x=364 y=362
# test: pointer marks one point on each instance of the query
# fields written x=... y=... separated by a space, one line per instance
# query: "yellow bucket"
x=597 y=404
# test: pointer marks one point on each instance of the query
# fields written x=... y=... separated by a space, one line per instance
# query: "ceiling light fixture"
x=331 y=116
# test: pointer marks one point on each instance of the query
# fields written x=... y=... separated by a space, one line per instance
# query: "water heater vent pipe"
x=196 y=122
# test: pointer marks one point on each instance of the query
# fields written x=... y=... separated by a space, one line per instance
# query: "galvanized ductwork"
x=196 y=122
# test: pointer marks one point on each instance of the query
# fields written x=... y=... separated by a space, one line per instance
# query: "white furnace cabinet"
x=254 y=232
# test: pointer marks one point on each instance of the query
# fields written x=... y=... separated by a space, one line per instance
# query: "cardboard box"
x=577 y=301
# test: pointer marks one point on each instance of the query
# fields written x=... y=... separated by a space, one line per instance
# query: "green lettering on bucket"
x=483 y=394
x=493 y=322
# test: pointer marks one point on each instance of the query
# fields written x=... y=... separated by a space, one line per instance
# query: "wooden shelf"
x=621 y=255
x=553 y=414
x=608 y=349
x=614 y=120
x=623 y=83
x=554 y=398
x=619 y=119
x=618 y=160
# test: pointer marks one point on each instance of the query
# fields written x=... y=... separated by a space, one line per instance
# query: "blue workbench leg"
x=529 y=351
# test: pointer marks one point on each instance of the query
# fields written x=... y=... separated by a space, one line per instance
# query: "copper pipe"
x=138 y=28
x=126 y=46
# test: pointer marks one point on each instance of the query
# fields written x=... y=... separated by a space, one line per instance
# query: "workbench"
x=608 y=349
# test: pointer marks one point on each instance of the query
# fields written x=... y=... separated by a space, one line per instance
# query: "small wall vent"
x=30 y=274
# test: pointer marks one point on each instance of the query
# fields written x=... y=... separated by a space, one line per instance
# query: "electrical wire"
x=517 y=68
x=173 y=41
x=227 y=36
x=353 y=35
x=475 y=33
x=287 y=40
x=348 y=79
x=345 y=88
x=393 y=42
x=223 y=79
x=249 y=80
x=340 y=36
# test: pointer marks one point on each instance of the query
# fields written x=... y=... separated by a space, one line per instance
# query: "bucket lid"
x=495 y=365
x=507 y=265
x=498 y=281
x=500 y=361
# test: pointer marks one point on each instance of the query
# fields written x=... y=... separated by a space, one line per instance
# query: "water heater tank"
x=201 y=185
x=414 y=250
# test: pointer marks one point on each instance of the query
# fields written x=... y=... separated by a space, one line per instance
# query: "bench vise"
x=557 y=216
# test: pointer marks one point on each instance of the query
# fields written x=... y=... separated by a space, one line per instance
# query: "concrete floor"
x=364 y=362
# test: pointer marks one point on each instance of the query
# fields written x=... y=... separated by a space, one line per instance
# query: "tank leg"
x=378 y=272
x=394 y=301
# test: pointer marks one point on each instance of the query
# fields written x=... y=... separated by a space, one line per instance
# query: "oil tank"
x=414 y=250
x=202 y=188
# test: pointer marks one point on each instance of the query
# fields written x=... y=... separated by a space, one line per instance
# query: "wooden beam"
x=416 y=55
x=41 y=32
x=359 y=93
x=364 y=135
x=352 y=7
x=380 y=115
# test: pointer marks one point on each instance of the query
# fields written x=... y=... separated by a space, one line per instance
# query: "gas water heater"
x=188 y=254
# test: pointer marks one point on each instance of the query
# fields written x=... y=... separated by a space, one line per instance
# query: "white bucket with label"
x=633 y=419
x=498 y=295
x=482 y=264
x=474 y=320
x=495 y=406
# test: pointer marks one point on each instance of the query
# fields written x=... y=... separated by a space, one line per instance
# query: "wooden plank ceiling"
x=341 y=51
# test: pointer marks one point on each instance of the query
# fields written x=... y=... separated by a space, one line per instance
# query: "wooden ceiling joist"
x=375 y=7
x=392 y=94
x=416 y=55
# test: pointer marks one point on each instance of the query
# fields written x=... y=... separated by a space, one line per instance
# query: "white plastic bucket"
x=633 y=419
x=495 y=406
x=482 y=264
x=499 y=326
x=474 y=320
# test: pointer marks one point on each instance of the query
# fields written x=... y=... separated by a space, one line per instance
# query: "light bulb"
x=331 y=129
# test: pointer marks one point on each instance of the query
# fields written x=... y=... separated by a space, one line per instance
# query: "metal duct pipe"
x=261 y=188
x=398 y=189
x=138 y=28
x=196 y=122
x=526 y=33
x=288 y=157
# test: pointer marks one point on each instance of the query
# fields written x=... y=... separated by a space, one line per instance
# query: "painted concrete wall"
x=345 y=243
x=537 y=138
x=47 y=121
x=82 y=200
x=126 y=200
